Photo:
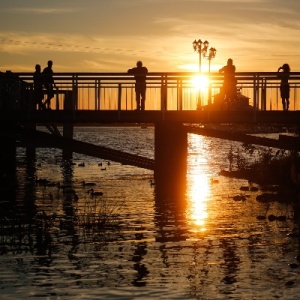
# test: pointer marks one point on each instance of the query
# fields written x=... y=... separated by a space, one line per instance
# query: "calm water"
x=206 y=244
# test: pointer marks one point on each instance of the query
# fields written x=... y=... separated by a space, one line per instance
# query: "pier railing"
x=165 y=90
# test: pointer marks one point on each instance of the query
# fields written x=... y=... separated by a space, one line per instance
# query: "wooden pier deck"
x=151 y=116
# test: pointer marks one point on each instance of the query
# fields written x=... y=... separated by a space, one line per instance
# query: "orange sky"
x=111 y=35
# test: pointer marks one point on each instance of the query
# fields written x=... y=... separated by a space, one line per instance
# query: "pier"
x=171 y=107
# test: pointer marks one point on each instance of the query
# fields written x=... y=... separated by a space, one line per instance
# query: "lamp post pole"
x=211 y=55
x=201 y=48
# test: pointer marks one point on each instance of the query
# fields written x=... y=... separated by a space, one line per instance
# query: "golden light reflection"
x=199 y=195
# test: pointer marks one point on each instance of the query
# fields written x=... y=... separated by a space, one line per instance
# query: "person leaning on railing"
x=139 y=73
x=229 y=89
x=38 y=87
x=283 y=73
x=48 y=83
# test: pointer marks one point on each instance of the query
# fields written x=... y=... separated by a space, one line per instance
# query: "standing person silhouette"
x=229 y=83
x=48 y=83
x=38 y=87
x=284 y=85
x=139 y=73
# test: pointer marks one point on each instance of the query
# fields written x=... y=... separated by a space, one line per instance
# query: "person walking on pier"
x=283 y=73
x=229 y=91
x=48 y=83
x=139 y=73
x=38 y=87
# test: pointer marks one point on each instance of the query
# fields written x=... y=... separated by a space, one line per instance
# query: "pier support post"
x=68 y=128
x=170 y=159
x=8 y=163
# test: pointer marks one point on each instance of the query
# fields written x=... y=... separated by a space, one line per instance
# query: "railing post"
x=163 y=99
x=95 y=95
x=75 y=91
x=119 y=98
x=263 y=94
x=209 y=93
x=255 y=88
x=57 y=100
x=295 y=96
x=179 y=94
x=98 y=94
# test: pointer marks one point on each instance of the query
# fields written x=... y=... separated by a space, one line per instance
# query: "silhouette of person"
x=139 y=73
x=48 y=83
x=229 y=82
x=283 y=73
x=38 y=87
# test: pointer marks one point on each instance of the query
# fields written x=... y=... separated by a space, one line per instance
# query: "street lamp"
x=211 y=55
x=202 y=48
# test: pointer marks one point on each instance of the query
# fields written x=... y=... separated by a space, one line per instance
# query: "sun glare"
x=200 y=82
x=200 y=191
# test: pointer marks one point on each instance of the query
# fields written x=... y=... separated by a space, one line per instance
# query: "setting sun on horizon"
x=200 y=82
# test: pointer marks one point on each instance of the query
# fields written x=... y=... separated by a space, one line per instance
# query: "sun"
x=200 y=82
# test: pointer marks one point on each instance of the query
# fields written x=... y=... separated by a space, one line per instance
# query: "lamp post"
x=201 y=48
x=211 y=55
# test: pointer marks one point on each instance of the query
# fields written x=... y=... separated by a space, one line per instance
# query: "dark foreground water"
x=64 y=243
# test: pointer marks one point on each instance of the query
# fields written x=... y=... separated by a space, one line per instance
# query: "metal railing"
x=165 y=90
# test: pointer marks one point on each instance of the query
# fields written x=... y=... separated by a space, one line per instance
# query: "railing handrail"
x=190 y=73
x=157 y=77
x=168 y=88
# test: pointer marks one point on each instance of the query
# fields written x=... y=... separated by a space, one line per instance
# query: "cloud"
x=22 y=42
x=39 y=10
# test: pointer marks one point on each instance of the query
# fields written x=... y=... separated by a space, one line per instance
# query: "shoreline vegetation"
x=268 y=167
x=277 y=175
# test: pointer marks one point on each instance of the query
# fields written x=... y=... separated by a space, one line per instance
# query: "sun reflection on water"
x=199 y=186
x=198 y=196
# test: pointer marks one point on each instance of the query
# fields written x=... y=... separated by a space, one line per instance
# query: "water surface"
x=205 y=244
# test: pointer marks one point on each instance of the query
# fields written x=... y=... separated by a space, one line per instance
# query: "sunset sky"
x=111 y=35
